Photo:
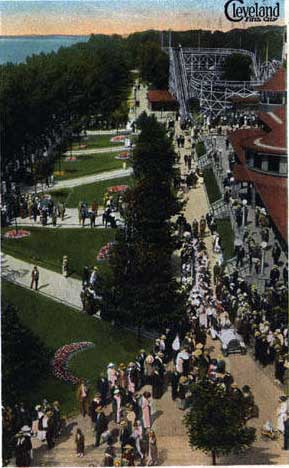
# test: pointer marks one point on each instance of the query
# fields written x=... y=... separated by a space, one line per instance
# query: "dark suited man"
x=100 y=425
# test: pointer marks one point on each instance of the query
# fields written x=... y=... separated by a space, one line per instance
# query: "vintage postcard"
x=144 y=252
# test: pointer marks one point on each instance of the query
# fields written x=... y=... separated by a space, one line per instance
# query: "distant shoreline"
x=42 y=36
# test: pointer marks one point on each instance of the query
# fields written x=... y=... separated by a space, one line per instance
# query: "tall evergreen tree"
x=145 y=290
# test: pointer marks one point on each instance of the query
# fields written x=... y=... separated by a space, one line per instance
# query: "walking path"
x=109 y=149
x=85 y=180
x=51 y=284
x=71 y=221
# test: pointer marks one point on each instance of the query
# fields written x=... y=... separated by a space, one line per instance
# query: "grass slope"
x=46 y=247
x=97 y=141
x=212 y=187
x=225 y=230
x=88 y=164
x=57 y=325
x=88 y=192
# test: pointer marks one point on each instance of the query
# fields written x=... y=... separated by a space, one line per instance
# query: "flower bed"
x=70 y=158
x=63 y=356
x=118 y=139
x=104 y=252
x=117 y=188
x=16 y=234
x=124 y=156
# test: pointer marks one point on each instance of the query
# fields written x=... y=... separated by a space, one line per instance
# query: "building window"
x=273 y=164
x=258 y=162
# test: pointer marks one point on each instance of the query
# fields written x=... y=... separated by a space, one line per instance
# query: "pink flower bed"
x=117 y=188
x=19 y=234
x=82 y=146
x=63 y=356
x=118 y=138
x=70 y=158
x=103 y=254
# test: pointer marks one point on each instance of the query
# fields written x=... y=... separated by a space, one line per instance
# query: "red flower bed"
x=62 y=357
x=117 y=188
x=103 y=254
x=19 y=234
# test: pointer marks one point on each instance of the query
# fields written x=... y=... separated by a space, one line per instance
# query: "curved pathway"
x=109 y=149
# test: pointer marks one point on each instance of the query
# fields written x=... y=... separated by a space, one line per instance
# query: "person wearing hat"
x=102 y=386
x=122 y=376
x=65 y=266
x=128 y=455
x=94 y=278
x=117 y=405
x=34 y=278
x=175 y=377
x=112 y=375
x=50 y=430
x=149 y=370
x=182 y=390
x=36 y=415
x=140 y=361
x=56 y=418
x=79 y=442
x=158 y=375
x=82 y=396
x=100 y=425
x=152 y=449
x=23 y=449
x=124 y=434
x=235 y=392
x=131 y=375
x=281 y=413
x=109 y=456
x=146 y=410
x=94 y=404
x=274 y=275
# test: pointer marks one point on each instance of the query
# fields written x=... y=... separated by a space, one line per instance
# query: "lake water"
x=16 y=49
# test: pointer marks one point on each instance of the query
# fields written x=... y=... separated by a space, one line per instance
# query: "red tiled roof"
x=272 y=189
x=264 y=142
x=273 y=192
x=160 y=96
x=276 y=83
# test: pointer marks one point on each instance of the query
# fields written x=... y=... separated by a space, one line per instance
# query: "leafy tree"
x=24 y=358
x=216 y=422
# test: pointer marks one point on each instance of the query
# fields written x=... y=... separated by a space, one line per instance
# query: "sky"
x=82 y=17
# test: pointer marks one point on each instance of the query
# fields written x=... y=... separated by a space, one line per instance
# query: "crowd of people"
x=22 y=424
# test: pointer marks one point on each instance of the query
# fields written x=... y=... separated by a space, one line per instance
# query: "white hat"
x=110 y=365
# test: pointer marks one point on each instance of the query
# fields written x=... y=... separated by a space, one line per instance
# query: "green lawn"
x=88 y=164
x=97 y=141
x=224 y=228
x=46 y=247
x=57 y=325
x=212 y=187
x=200 y=149
x=88 y=192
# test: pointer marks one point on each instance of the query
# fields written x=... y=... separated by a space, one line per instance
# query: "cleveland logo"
x=236 y=11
